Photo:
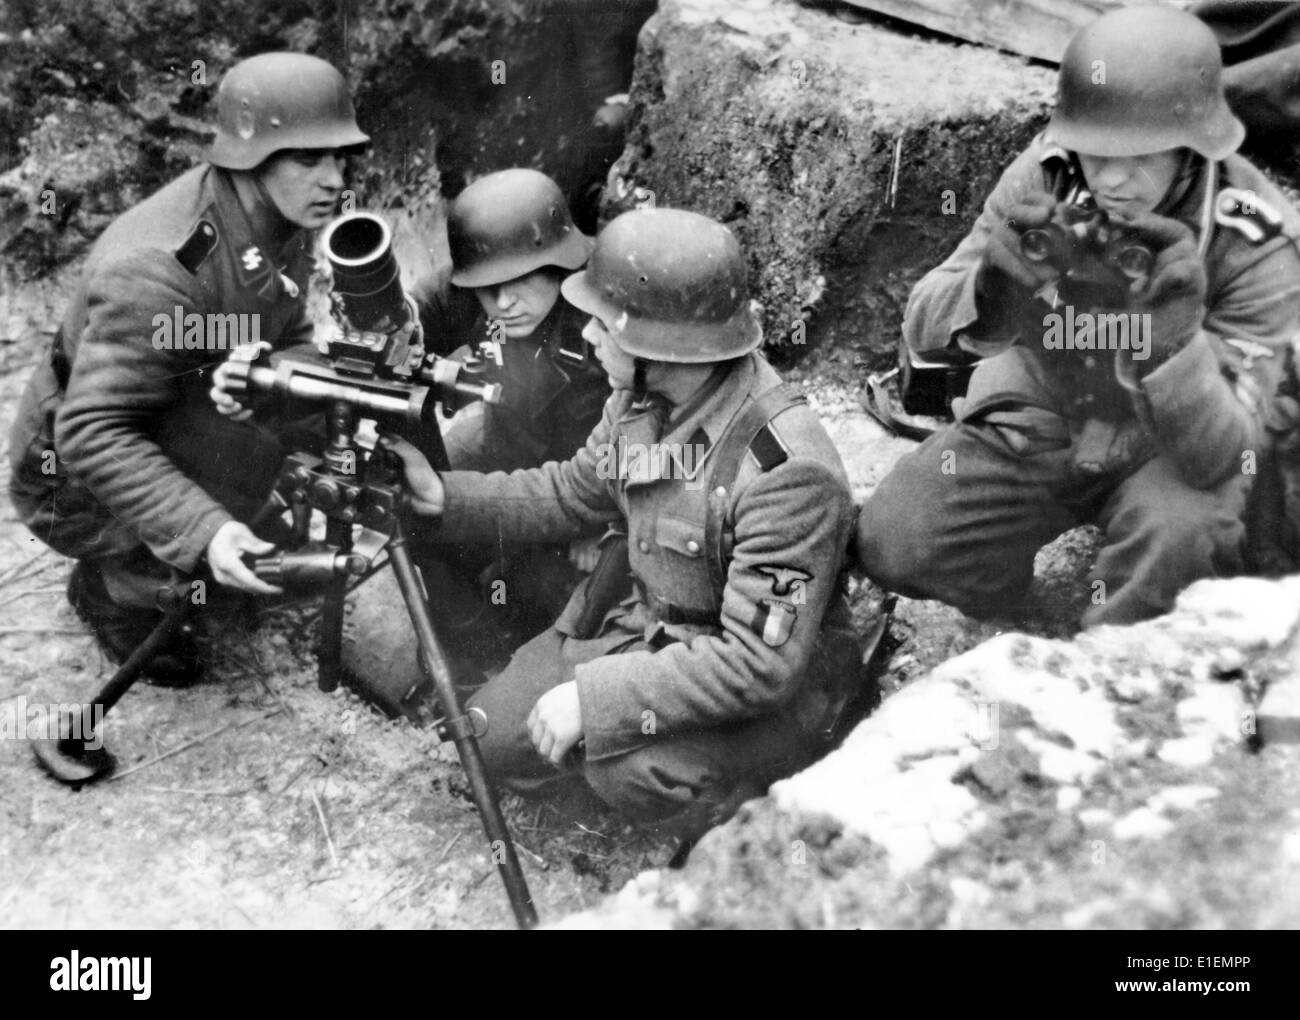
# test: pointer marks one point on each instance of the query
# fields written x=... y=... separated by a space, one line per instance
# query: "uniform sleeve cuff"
x=604 y=733
x=967 y=323
x=1180 y=378
x=967 y=313
x=195 y=544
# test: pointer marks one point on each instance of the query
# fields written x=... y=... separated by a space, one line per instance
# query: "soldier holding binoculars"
x=1132 y=201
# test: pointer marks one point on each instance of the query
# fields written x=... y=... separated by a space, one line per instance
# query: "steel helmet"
x=509 y=223
x=278 y=101
x=670 y=286
x=1140 y=80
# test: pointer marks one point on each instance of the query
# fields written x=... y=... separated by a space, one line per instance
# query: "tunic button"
x=721 y=490
x=643 y=545
x=693 y=546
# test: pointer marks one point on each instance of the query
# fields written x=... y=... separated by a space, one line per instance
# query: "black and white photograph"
x=651 y=464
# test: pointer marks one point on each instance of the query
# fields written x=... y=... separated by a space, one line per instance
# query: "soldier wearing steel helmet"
x=710 y=678
x=1158 y=443
x=120 y=460
x=512 y=241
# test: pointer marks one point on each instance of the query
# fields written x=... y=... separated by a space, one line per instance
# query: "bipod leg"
x=274 y=506
x=339 y=460
x=75 y=754
x=461 y=729
x=329 y=662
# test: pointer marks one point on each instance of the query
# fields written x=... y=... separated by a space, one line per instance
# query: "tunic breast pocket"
x=676 y=569
x=686 y=538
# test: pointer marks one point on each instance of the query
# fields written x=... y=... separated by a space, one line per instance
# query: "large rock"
x=1119 y=780
x=849 y=159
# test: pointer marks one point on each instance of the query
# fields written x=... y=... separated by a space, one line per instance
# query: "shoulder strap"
x=748 y=433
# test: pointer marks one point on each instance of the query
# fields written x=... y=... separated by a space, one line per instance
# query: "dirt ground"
x=255 y=800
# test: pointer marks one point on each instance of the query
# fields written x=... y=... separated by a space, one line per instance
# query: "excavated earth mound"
x=1137 y=777
x=847 y=158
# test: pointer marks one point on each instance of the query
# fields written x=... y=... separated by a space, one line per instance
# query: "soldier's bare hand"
x=322 y=336
x=225 y=552
x=220 y=392
x=225 y=403
x=611 y=116
x=555 y=723
x=427 y=494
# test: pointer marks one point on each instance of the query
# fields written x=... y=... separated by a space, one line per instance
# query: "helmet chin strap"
x=639 y=368
x=263 y=194
x=1192 y=163
x=265 y=214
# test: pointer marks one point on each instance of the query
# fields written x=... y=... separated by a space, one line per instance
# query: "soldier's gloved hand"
x=1005 y=275
x=1175 y=293
x=220 y=392
x=427 y=493
x=225 y=552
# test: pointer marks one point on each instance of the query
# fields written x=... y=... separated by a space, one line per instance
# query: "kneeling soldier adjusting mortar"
x=119 y=458
x=374 y=366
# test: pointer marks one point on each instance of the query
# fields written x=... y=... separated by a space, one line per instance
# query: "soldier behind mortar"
x=1155 y=440
x=120 y=460
x=726 y=664
x=512 y=241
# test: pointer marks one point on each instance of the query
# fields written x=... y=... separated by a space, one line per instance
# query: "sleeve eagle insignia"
x=783 y=578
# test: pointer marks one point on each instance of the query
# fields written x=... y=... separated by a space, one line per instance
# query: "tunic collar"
x=252 y=233
x=685 y=448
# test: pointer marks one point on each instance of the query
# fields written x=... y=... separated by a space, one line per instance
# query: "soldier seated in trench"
x=512 y=240
x=727 y=663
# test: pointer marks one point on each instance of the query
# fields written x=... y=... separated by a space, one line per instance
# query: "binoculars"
x=1088 y=248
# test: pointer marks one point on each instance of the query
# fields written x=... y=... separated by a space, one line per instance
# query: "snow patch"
x=1248 y=612
x=1143 y=823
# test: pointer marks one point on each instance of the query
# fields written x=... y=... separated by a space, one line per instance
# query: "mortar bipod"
x=68 y=754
